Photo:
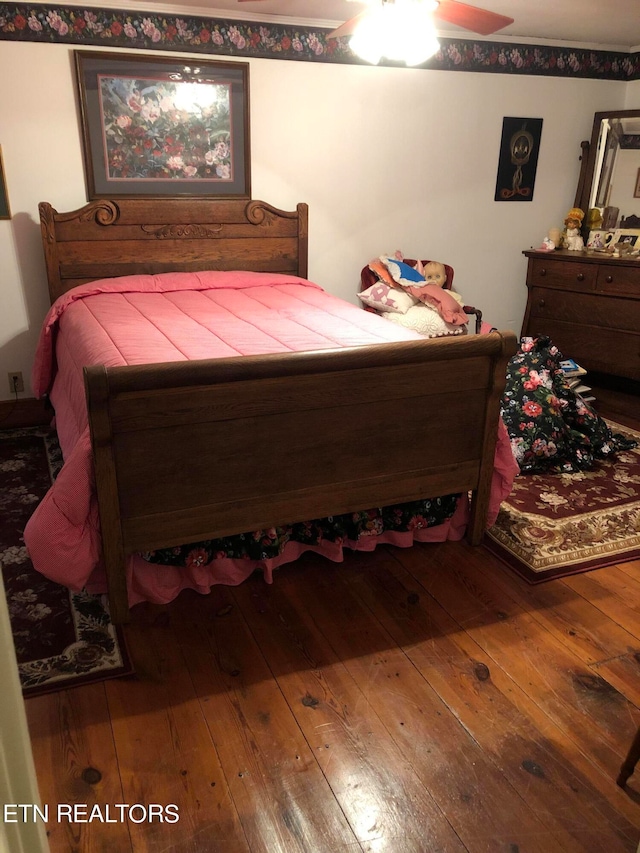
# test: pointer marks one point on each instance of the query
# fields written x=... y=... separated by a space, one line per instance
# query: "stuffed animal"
x=621 y=249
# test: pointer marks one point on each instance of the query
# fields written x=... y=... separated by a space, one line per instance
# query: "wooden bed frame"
x=188 y=451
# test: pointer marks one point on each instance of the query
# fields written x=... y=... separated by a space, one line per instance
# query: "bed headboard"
x=108 y=238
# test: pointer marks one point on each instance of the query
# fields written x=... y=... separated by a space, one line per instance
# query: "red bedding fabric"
x=175 y=317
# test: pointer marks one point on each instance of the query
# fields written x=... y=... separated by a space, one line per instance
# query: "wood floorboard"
x=76 y=762
x=165 y=751
x=630 y=569
x=423 y=700
x=370 y=777
x=622 y=674
x=562 y=685
x=282 y=797
x=613 y=591
x=503 y=714
x=471 y=790
x=586 y=624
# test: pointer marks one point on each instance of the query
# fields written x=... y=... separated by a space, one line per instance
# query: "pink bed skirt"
x=161 y=584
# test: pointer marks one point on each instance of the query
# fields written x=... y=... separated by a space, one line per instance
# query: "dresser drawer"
x=619 y=280
x=589 y=306
x=565 y=275
x=588 y=309
x=595 y=348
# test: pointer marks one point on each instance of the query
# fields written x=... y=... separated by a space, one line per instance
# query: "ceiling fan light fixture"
x=367 y=42
x=401 y=31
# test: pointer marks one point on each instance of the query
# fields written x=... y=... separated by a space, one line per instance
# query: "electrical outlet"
x=16 y=382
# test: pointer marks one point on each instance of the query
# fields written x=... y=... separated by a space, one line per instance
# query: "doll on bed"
x=435 y=311
x=448 y=303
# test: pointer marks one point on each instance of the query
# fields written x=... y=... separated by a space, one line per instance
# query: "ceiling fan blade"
x=470 y=17
x=480 y=21
x=348 y=28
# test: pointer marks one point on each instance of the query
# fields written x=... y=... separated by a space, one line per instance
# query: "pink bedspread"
x=176 y=317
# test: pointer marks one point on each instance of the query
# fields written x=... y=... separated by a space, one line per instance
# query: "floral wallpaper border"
x=117 y=28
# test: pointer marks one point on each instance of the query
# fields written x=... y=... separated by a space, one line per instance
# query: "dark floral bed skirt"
x=349 y=527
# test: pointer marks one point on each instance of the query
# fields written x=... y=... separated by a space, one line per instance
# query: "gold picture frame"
x=5 y=210
x=636 y=192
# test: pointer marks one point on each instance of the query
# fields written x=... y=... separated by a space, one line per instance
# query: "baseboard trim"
x=24 y=413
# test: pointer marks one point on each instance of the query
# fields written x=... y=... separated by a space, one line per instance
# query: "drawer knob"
x=543 y=272
x=609 y=279
x=541 y=303
x=580 y=276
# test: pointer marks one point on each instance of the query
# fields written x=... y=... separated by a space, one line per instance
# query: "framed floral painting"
x=164 y=126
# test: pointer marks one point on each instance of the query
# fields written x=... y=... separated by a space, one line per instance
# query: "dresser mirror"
x=611 y=180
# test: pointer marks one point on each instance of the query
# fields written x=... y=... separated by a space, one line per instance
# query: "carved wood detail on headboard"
x=177 y=231
x=109 y=238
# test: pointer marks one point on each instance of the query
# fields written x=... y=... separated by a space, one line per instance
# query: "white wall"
x=386 y=159
x=632 y=96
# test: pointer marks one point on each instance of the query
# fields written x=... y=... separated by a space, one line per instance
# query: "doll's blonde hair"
x=575 y=213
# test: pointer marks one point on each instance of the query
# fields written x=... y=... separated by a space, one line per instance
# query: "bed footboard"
x=198 y=450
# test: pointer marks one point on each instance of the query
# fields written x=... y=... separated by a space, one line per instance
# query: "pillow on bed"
x=426 y=320
x=381 y=272
x=387 y=299
x=404 y=274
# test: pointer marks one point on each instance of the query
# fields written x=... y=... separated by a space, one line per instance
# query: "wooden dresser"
x=589 y=306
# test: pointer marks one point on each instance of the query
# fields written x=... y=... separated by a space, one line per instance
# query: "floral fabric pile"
x=552 y=429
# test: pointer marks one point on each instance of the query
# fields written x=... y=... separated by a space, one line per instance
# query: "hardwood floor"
x=405 y=701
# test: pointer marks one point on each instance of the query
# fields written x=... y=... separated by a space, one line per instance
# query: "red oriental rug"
x=553 y=525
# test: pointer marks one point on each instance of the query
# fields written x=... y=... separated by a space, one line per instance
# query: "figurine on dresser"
x=552 y=241
x=572 y=239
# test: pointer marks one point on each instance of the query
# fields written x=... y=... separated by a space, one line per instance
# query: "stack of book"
x=575 y=374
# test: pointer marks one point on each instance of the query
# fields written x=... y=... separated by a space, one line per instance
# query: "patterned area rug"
x=62 y=639
x=554 y=525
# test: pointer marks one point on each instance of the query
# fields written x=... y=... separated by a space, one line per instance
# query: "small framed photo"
x=628 y=235
x=636 y=192
x=599 y=239
x=164 y=126
x=5 y=211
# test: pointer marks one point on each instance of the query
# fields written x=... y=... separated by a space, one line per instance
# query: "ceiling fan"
x=480 y=21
